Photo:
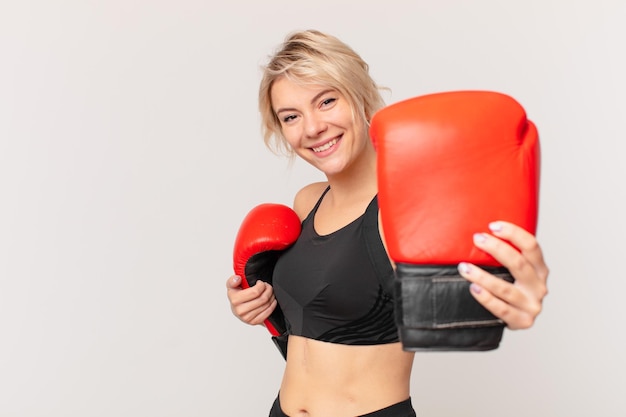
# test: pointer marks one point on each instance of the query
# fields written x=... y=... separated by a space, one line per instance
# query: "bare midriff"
x=326 y=379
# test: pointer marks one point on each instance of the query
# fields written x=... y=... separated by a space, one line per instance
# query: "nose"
x=314 y=125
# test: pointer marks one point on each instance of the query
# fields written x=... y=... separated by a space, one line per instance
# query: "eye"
x=288 y=118
x=328 y=101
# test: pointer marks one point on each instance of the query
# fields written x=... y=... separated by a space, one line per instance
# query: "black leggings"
x=401 y=409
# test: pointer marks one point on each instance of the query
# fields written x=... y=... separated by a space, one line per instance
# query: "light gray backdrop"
x=130 y=151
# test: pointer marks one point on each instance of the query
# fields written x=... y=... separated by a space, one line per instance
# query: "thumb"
x=233 y=281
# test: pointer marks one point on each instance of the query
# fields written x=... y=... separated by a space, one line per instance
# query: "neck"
x=357 y=182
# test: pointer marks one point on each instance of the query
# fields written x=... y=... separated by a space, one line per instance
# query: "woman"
x=316 y=98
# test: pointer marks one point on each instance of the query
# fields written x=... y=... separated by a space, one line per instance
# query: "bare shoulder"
x=306 y=198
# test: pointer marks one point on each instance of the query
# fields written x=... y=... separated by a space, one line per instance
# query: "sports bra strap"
x=376 y=249
x=319 y=201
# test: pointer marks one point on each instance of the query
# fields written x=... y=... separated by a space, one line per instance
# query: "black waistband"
x=401 y=409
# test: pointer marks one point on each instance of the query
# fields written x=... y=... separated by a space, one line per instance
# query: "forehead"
x=286 y=92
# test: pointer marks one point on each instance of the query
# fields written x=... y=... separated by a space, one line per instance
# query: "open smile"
x=326 y=146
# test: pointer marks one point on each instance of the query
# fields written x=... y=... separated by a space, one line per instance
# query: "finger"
x=508 y=256
x=261 y=314
x=518 y=265
x=520 y=253
x=514 y=318
x=525 y=241
x=510 y=294
x=265 y=296
x=248 y=304
x=241 y=295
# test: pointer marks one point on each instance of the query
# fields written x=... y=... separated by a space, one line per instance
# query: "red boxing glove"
x=448 y=164
x=266 y=231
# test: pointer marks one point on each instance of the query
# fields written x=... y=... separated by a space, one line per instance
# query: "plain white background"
x=130 y=151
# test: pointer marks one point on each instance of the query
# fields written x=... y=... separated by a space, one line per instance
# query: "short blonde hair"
x=312 y=57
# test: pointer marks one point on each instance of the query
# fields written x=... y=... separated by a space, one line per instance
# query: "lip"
x=323 y=152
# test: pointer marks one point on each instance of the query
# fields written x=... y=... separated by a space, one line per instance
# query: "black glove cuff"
x=281 y=343
x=435 y=310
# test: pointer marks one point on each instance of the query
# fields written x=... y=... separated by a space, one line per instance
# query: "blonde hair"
x=312 y=57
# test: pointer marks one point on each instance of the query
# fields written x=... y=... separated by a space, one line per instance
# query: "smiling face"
x=318 y=123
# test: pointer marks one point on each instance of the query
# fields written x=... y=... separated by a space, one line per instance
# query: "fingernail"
x=495 y=227
x=236 y=279
x=479 y=238
x=475 y=288
x=464 y=268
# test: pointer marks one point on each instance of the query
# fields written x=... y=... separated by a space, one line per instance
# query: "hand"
x=518 y=304
x=251 y=305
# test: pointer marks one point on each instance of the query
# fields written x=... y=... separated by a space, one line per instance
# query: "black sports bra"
x=336 y=288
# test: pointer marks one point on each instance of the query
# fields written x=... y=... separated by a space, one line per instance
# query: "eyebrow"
x=313 y=100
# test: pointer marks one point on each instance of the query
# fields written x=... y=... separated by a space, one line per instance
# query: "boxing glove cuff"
x=281 y=343
x=436 y=311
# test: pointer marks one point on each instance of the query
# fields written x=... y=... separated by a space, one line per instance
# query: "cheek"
x=360 y=130
x=291 y=136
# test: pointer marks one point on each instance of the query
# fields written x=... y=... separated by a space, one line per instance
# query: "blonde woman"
x=344 y=357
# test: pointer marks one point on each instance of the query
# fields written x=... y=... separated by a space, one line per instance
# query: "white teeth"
x=325 y=146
